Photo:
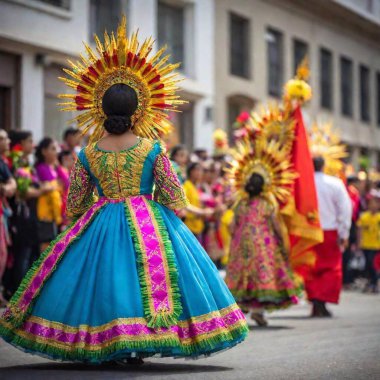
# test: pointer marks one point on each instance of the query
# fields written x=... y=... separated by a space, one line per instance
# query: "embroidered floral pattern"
x=81 y=193
x=258 y=274
x=119 y=174
x=157 y=269
x=169 y=191
x=189 y=337
x=136 y=328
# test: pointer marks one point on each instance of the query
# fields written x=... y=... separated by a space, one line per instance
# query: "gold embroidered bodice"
x=118 y=175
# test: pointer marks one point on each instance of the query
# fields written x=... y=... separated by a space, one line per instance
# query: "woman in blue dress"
x=126 y=279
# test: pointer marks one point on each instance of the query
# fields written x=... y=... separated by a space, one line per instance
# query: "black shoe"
x=319 y=310
x=326 y=313
x=316 y=311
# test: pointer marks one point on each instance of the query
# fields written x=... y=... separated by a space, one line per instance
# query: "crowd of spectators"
x=34 y=182
x=361 y=260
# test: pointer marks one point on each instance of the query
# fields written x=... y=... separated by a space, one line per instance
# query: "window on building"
x=65 y=4
x=9 y=90
x=239 y=46
x=326 y=79
x=346 y=86
x=378 y=98
x=300 y=49
x=104 y=15
x=275 y=62
x=364 y=94
x=5 y=108
x=171 y=30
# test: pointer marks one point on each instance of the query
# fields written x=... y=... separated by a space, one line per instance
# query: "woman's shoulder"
x=44 y=171
x=144 y=147
x=86 y=149
x=265 y=204
x=153 y=147
x=150 y=144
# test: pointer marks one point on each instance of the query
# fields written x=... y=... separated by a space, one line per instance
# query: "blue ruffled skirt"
x=88 y=304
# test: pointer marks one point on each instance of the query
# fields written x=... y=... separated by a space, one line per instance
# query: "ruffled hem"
x=124 y=338
x=267 y=299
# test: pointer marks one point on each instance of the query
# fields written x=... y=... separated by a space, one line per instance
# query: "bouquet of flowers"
x=24 y=178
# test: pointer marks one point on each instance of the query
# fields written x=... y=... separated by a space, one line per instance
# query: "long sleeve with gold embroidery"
x=168 y=190
x=81 y=193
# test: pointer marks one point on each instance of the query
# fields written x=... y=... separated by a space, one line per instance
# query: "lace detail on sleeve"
x=81 y=193
x=168 y=190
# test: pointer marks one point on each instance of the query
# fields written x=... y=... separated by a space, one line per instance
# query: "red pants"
x=324 y=281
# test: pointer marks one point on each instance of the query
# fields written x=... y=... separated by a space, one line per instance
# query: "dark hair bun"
x=117 y=125
x=255 y=185
x=119 y=104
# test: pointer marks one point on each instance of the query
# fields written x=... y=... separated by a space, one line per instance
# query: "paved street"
x=292 y=347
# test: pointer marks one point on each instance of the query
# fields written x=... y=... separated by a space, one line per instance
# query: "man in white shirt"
x=325 y=280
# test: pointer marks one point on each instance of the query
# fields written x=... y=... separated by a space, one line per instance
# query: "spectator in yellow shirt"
x=369 y=240
x=195 y=214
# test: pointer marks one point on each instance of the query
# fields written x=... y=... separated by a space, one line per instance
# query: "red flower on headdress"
x=243 y=117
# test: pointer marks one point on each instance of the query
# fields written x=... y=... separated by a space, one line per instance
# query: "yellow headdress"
x=275 y=124
x=267 y=159
x=326 y=142
x=122 y=60
x=298 y=88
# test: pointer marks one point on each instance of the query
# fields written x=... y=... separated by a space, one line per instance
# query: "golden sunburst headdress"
x=244 y=127
x=275 y=124
x=326 y=142
x=267 y=159
x=123 y=60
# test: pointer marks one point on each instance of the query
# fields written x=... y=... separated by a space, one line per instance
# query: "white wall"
x=46 y=27
x=204 y=62
x=142 y=16
x=32 y=95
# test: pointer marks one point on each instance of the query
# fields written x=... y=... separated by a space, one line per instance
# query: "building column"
x=203 y=40
x=32 y=95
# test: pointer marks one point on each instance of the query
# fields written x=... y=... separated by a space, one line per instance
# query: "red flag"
x=301 y=212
